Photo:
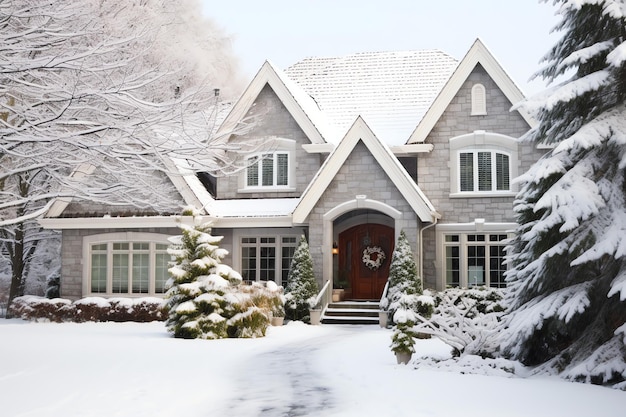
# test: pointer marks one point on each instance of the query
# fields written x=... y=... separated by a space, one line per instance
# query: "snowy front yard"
x=130 y=369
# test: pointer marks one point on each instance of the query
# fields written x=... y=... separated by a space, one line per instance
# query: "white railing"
x=382 y=297
x=324 y=296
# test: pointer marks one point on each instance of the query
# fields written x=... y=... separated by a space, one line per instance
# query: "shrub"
x=206 y=299
x=35 y=308
x=302 y=286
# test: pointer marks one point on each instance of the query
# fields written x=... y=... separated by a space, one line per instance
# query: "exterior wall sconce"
x=335 y=250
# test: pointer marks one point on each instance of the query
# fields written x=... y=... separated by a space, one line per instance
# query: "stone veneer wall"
x=360 y=175
x=434 y=167
x=72 y=256
x=274 y=121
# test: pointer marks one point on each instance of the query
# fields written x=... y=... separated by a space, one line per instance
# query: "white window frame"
x=110 y=239
x=475 y=143
x=240 y=234
x=479 y=100
x=276 y=147
x=464 y=231
x=476 y=170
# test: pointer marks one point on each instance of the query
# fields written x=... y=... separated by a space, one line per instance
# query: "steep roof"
x=391 y=90
x=361 y=132
x=299 y=103
x=477 y=54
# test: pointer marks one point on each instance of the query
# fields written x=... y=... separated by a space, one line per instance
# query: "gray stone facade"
x=271 y=119
x=434 y=167
x=72 y=256
x=360 y=175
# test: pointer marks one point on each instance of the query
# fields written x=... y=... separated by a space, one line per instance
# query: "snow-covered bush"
x=302 y=286
x=97 y=309
x=467 y=319
x=405 y=300
x=403 y=281
x=205 y=298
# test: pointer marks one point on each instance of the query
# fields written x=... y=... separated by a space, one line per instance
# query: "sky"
x=139 y=370
x=286 y=31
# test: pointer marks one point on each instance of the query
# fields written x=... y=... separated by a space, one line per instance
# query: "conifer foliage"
x=301 y=284
x=567 y=276
x=206 y=299
x=405 y=301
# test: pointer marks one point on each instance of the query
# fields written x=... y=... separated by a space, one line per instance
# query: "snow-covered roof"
x=391 y=90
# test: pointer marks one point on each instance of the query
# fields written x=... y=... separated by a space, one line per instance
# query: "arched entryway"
x=364 y=255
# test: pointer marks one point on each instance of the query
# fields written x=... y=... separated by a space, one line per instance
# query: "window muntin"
x=268 y=170
x=267 y=258
x=474 y=259
x=484 y=171
x=128 y=268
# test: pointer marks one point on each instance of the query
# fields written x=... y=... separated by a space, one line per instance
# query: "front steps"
x=351 y=312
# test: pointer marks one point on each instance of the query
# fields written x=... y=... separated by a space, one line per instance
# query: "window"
x=474 y=259
x=484 y=171
x=482 y=164
x=268 y=170
x=479 y=100
x=117 y=267
x=267 y=258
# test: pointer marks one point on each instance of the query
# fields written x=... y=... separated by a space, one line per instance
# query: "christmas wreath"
x=375 y=262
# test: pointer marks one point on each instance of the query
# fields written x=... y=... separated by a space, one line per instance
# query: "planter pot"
x=316 y=316
x=338 y=294
x=278 y=321
x=383 y=317
x=403 y=357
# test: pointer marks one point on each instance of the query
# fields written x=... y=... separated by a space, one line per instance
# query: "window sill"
x=251 y=190
x=484 y=194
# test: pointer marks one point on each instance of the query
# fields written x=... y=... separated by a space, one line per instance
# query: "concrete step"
x=351 y=312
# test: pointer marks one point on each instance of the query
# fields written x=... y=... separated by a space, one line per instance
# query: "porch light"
x=335 y=250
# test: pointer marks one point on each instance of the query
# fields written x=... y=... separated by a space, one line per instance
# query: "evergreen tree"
x=403 y=279
x=301 y=284
x=204 y=297
x=567 y=276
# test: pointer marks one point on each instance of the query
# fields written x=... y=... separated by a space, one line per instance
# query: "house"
x=355 y=149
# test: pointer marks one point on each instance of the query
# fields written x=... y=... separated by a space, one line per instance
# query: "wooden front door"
x=367 y=279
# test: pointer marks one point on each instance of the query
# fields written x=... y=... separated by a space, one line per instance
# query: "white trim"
x=238 y=234
x=360 y=132
x=478 y=226
x=478 y=100
x=299 y=104
x=359 y=202
x=119 y=237
x=413 y=149
x=482 y=141
x=318 y=147
x=108 y=222
x=477 y=54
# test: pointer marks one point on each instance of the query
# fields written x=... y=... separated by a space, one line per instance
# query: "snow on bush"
x=405 y=300
x=302 y=286
x=466 y=319
x=98 y=309
x=206 y=299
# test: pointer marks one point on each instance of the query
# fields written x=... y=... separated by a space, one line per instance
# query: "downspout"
x=436 y=216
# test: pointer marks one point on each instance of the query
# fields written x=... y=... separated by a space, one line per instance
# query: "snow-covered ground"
x=131 y=369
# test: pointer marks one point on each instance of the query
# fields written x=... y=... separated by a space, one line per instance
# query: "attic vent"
x=479 y=100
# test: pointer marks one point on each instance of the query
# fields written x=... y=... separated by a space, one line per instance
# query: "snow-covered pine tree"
x=567 y=276
x=403 y=280
x=301 y=284
x=203 y=299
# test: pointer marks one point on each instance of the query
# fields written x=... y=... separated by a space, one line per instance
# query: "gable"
x=297 y=102
x=360 y=134
x=478 y=55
